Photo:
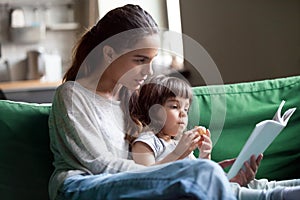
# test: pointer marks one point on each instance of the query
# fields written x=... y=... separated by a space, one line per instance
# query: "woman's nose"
x=147 y=69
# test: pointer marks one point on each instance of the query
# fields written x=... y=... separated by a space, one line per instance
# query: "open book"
x=261 y=137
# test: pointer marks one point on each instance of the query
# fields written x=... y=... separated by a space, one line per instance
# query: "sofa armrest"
x=25 y=156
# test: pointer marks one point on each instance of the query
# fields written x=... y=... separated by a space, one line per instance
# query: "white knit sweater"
x=86 y=135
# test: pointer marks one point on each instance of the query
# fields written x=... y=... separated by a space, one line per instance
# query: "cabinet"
x=33 y=91
x=29 y=20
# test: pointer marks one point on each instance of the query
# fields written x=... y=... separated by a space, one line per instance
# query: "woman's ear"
x=108 y=53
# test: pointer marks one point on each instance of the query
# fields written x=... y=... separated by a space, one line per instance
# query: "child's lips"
x=181 y=123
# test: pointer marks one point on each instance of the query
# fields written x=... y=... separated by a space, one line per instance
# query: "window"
x=167 y=14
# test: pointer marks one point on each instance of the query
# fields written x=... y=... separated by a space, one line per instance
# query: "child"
x=160 y=111
x=163 y=138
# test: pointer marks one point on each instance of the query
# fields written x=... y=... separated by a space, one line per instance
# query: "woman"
x=88 y=118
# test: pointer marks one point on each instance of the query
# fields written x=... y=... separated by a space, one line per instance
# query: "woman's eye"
x=140 y=61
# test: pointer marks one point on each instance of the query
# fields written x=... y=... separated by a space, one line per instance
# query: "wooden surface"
x=28 y=85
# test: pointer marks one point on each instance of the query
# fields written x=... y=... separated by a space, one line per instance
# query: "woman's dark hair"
x=116 y=21
x=156 y=91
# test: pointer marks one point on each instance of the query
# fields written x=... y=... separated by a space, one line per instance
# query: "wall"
x=248 y=40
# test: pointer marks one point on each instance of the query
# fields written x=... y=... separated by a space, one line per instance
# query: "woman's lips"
x=140 y=81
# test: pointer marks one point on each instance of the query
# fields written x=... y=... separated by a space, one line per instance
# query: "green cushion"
x=25 y=157
x=234 y=109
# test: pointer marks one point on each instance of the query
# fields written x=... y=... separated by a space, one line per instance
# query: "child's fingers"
x=205 y=138
x=208 y=132
x=200 y=129
x=205 y=145
x=197 y=139
x=190 y=138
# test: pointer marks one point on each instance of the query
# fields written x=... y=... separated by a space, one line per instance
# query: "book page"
x=285 y=117
x=262 y=136
x=277 y=117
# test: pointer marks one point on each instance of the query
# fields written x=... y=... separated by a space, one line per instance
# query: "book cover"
x=261 y=137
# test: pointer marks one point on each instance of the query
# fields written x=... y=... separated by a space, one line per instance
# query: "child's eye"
x=186 y=109
x=173 y=106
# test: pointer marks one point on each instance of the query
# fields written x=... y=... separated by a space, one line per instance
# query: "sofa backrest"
x=232 y=111
x=25 y=157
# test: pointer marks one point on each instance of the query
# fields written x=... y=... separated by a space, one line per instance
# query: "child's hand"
x=187 y=143
x=204 y=144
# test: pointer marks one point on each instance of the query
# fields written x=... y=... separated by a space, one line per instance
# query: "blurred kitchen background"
x=247 y=40
x=40 y=34
x=37 y=37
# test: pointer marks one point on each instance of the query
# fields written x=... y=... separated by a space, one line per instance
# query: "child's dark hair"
x=156 y=91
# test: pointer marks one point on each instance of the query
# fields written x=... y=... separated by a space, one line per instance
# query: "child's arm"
x=192 y=156
x=143 y=154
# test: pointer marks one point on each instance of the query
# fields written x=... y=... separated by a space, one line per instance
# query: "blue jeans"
x=263 y=189
x=184 y=179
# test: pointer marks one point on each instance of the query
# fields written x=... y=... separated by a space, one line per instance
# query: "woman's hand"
x=205 y=146
x=187 y=143
x=247 y=174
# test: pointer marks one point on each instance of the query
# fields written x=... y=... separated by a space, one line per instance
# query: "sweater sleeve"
x=77 y=141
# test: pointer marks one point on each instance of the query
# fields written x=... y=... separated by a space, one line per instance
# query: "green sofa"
x=230 y=111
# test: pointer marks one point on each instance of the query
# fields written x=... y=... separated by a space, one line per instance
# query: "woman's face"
x=132 y=68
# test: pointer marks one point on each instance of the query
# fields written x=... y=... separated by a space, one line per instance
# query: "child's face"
x=176 y=111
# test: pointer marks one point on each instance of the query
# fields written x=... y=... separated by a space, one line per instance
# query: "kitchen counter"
x=34 y=91
x=28 y=85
